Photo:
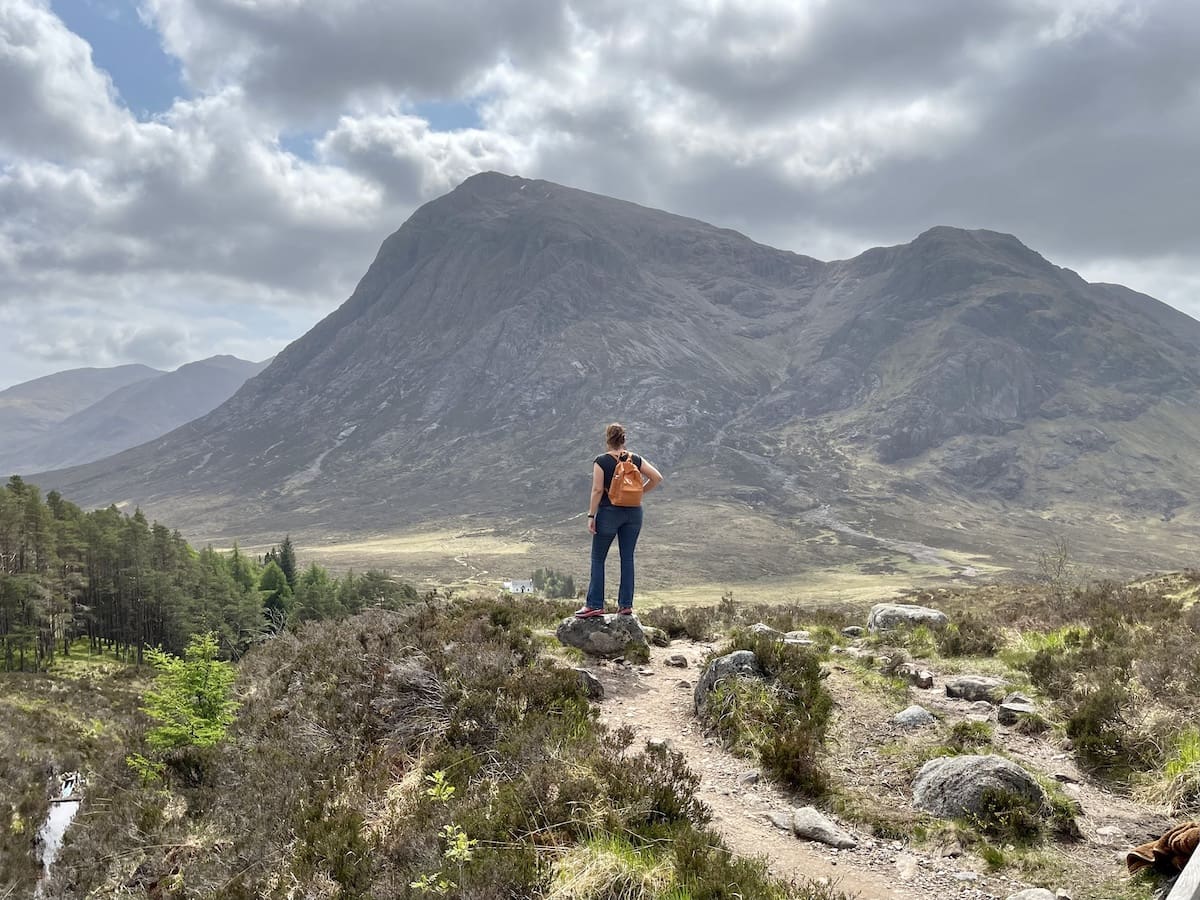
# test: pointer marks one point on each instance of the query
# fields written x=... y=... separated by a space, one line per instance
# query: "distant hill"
x=958 y=391
x=28 y=409
x=130 y=415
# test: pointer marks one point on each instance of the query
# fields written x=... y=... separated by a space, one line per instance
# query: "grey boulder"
x=608 y=636
x=913 y=717
x=976 y=688
x=1033 y=894
x=812 y=825
x=886 y=616
x=738 y=664
x=953 y=787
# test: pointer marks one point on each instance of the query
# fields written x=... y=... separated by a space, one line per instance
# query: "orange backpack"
x=626 y=486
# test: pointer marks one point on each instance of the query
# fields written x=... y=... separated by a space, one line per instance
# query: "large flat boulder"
x=887 y=616
x=954 y=787
x=739 y=663
x=607 y=636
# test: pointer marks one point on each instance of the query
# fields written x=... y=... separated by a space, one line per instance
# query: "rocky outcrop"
x=886 y=616
x=739 y=663
x=607 y=636
x=956 y=786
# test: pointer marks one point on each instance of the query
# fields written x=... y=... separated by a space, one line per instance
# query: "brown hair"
x=614 y=434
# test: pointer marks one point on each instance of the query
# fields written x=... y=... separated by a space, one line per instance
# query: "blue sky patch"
x=448 y=115
x=147 y=79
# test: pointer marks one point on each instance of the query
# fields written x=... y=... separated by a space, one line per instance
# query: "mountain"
x=130 y=415
x=959 y=391
x=28 y=409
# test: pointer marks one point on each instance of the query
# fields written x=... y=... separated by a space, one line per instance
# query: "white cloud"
x=824 y=127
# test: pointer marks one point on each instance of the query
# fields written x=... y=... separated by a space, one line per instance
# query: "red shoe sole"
x=590 y=614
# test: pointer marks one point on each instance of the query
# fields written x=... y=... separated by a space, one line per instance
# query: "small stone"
x=658 y=744
x=1062 y=894
x=853 y=631
x=749 y=778
x=684 y=683
x=965 y=876
x=1032 y=894
x=590 y=683
x=677 y=660
x=915 y=675
x=1065 y=778
x=1110 y=833
x=643 y=670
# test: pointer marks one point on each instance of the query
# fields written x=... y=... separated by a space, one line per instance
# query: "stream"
x=62 y=811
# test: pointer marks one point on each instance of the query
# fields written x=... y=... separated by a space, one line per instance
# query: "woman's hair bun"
x=614 y=434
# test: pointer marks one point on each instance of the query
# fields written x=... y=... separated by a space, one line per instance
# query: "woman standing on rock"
x=619 y=481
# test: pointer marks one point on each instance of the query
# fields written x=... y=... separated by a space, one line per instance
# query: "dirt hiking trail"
x=656 y=701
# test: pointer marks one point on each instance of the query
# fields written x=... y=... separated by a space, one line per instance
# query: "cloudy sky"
x=180 y=178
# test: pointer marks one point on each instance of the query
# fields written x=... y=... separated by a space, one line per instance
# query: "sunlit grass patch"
x=610 y=868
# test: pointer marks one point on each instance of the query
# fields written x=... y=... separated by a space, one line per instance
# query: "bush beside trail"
x=399 y=752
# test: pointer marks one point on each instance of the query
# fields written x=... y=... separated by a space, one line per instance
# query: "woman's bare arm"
x=597 y=493
x=652 y=475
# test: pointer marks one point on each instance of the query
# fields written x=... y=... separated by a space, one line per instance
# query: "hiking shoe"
x=588 y=613
x=625 y=611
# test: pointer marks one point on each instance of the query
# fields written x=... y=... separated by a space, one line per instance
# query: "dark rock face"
x=500 y=321
x=606 y=636
x=740 y=663
x=955 y=786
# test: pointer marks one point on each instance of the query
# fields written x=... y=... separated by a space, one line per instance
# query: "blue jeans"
x=623 y=523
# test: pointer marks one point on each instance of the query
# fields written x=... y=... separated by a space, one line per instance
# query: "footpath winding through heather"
x=656 y=701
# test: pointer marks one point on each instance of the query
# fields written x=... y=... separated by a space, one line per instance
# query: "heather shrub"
x=782 y=719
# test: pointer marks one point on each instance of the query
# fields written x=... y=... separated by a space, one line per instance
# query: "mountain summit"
x=476 y=362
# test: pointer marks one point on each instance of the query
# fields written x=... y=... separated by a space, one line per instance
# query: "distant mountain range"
x=82 y=415
x=959 y=391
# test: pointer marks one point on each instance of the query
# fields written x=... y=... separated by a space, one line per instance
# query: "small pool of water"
x=62 y=810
